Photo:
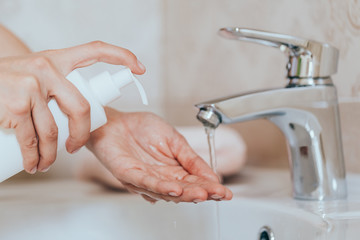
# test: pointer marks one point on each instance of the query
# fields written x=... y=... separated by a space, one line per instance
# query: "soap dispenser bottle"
x=99 y=91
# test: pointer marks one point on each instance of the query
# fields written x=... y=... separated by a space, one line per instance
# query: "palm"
x=151 y=158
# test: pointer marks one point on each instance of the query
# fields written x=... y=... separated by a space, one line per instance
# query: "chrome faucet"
x=306 y=111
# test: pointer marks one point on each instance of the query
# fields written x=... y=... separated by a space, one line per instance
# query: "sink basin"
x=69 y=209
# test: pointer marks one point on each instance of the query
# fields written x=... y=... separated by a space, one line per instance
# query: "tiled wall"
x=200 y=65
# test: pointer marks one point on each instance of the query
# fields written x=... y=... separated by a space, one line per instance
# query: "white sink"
x=76 y=210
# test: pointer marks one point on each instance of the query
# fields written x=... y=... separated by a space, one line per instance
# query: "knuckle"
x=31 y=83
x=52 y=134
x=83 y=109
x=97 y=44
x=19 y=107
x=32 y=143
x=128 y=54
x=41 y=62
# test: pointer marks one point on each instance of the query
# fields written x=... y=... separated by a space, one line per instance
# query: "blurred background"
x=187 y=62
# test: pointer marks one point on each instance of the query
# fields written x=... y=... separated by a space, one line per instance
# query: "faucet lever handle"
x=307 y=58
x=264 y=38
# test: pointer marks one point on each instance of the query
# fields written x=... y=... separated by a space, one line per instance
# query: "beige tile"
x=350 y=127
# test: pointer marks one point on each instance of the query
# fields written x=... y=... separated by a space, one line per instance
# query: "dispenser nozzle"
x=125 y=77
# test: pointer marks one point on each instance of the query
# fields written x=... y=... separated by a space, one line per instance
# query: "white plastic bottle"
x=98 y=91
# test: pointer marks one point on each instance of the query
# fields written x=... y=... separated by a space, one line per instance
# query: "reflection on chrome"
x=306 y=111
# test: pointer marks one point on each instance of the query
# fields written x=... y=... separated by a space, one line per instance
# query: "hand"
x=28 y=82
x=151 y=158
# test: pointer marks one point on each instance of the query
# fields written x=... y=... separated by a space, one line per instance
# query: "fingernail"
x=33 y=170
x=173 y=194
x=142 y=67
x=198 y=200
x=45 y=170
x=215 y=196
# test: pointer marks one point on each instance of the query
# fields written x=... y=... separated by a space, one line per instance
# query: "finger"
x=190 y=194
x=195 y=189
x=194 y=194
x=191 y=162
x=76 y=107
x=87 y=54
x=216 y=191
x=70 y=101
x=28 y=141
x=228 y=195
x=134 y=189
x=47 y=132
x=143 y=180
x=68 y=97
x=24 y=129
x=149 y=199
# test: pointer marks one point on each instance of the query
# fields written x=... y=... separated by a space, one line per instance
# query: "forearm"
x=11 y=45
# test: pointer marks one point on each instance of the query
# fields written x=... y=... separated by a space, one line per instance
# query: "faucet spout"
x=309 y=119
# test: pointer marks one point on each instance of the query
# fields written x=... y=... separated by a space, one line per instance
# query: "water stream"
x=210 y=132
